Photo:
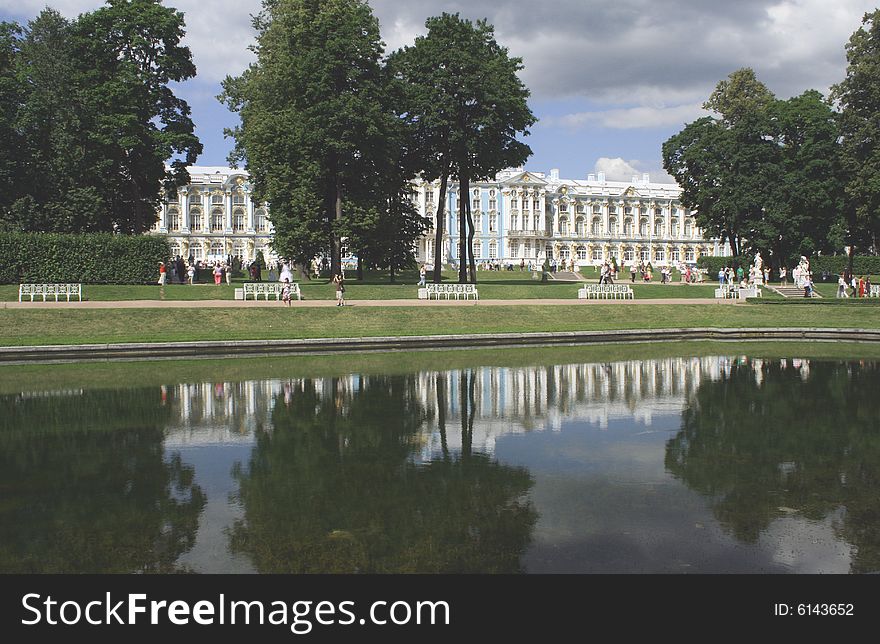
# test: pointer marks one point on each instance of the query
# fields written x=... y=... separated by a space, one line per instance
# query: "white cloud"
x=617 y=169
x=628 y=118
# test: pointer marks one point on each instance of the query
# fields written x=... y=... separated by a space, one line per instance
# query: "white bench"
x=606 y=291
x=751 y=291
x=50 y=290
x=458 y=291
x=726 y=292
x=256 y=289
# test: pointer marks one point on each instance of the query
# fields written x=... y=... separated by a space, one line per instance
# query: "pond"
x=719 y=462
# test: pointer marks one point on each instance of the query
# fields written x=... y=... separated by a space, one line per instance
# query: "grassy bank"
x=112 y=375
x=81 y=326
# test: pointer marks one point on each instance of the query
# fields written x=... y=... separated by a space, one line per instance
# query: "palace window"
x=217 y=200
x=238 y=199
x=658 y=212
x=563 y=226
x=643 y=211
x=597 y=210
x=429 y=196
x=688 y=228
x=175 y=249
x=493 y=223
x=260 y=217
x=581 y=208
x=645 y=255
x=563 y=207
x=580 y=228
x=643 y=227
x=493 y=250
x=514 y=249
x=628 y=227
x=476 y=192
x=514 y=222
x=216 y=221
x=548 y=251
x=658 y=228
x=612 y=210
x=196 y=251
x=237 y=221
x=493 y=205
x=596 y=227
x=475 y=205
x=659 y=255
x=673 y=227
x=597 y=254
x=217 y=249
x=628 y=254
x=613 y=254
x=514 y=204
x=527 y=249
x=195 y=198
x=195 y=220
x=582 y=253
x=173 y=220
x=628 y=210
x=689 y=255
x=536 y=206
x=537 y=223
x=429 y=249
x=675 y=255
x=238 y=249
x=565 y=253
x=612 y=226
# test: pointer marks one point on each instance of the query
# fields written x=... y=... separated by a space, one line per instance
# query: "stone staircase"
x=791 y=291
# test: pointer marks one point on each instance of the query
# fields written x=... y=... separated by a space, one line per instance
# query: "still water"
x=674 y=465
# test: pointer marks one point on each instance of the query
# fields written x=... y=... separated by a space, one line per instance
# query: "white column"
x=228 y=214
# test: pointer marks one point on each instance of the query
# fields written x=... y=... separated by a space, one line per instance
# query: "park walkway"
x=250 y=304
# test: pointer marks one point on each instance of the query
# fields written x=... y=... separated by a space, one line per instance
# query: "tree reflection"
x=86 y=488
x=333 y=487
x=772 y=438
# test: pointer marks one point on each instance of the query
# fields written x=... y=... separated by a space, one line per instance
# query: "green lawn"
x=74 y=326
x=492 y=285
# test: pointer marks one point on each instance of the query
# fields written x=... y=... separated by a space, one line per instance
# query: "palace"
x=214 y=217
x=529 y=216
x=521 y=216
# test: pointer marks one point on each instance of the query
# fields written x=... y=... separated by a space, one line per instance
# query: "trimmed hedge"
x=836 y=264
x=715 y=264
x=100 y=258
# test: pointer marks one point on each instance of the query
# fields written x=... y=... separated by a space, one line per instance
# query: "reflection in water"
x=772 y=439
x=86 y=486
x=683 y=464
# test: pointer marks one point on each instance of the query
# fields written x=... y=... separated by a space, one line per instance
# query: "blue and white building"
x=533 y=216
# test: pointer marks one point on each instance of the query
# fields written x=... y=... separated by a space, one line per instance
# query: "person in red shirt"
x=162 y=275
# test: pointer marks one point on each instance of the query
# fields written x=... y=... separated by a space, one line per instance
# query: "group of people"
x=644 y=269
x=180 y=271
x=859 y=286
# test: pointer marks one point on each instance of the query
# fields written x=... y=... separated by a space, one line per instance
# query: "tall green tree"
x=720 y=162
x=858 y=97
x=312 y=118
x=469 y=107
x=95 y=119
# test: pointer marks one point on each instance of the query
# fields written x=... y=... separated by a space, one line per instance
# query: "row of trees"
x=788 y=177
x=332 y=131
x=88 y=120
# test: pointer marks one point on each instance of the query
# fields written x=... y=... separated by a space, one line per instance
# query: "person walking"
x=190 y=274
x=783 y=276
x=218 y=273
x=163 y=275
x=285 y=291
x=632 y=272
x=422 y=275
x=841 y=287
x=339 y=281
x=227 y=273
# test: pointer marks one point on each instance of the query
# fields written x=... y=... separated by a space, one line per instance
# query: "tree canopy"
x=90 y=119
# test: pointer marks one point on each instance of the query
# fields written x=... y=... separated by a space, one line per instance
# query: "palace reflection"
x=451 y=471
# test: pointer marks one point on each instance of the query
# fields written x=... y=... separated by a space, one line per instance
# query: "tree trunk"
x=441 y=414
x=392 y=272
x=851 y=256
x=360 y=269
x=335 y=241
x=438 y=237
x=464 y=196
x=472 y=264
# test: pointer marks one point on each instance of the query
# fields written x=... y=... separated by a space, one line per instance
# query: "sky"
x=610 y=80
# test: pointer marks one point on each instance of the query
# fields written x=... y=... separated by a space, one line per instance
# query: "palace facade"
x=214 y=217
x=520 y=216
x=532 y=216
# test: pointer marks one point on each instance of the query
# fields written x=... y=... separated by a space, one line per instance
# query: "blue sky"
x=610 y=79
